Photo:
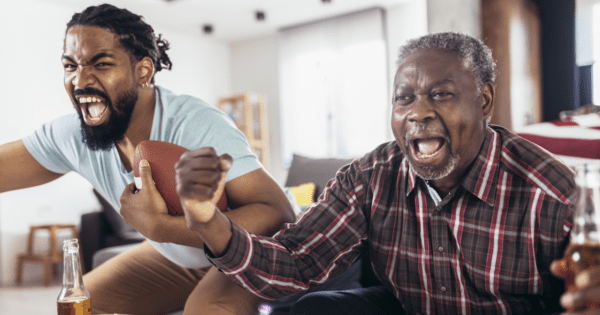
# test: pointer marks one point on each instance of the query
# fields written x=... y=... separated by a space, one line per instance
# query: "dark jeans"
x=349 y=279
x=363 y=301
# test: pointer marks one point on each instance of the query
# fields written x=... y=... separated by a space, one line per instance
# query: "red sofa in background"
x=574 y=139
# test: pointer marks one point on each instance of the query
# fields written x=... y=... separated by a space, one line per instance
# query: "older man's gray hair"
x=476 y=55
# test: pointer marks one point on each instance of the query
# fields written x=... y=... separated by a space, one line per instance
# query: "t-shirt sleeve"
x=209 y=127
x=53 y=144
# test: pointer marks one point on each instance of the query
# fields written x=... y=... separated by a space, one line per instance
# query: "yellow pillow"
x=304 y=193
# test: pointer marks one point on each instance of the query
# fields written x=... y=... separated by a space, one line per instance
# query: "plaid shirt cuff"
x=235 y=255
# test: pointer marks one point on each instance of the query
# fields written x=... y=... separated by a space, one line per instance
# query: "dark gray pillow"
x=115 y=220
x=313 y=170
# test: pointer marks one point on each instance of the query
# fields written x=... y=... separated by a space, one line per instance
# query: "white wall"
x=254 y=68
x=463 y=16
x=33 y=93
x=404 y=22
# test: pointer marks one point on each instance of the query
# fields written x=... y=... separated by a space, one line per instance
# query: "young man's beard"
x=105 y=136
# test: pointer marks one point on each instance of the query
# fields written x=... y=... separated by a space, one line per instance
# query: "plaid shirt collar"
x=480 y=176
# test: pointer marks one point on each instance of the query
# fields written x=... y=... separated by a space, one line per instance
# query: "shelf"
x=249 y=114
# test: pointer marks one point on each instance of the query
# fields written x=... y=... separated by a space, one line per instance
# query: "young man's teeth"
x=91 y=99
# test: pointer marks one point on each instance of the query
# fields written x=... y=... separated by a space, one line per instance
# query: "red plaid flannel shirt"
x=484 y=249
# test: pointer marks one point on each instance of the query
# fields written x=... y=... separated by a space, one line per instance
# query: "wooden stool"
x=49 y=260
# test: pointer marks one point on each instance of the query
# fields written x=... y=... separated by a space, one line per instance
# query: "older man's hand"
x=583 y=296
x=200 y=176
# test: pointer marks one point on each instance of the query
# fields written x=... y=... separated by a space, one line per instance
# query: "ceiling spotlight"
x=260 y=15
x=326 y=1
x=207 y=28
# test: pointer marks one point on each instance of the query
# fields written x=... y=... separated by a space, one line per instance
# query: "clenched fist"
x=200 y=176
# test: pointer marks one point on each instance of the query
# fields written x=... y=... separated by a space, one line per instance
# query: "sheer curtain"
x=587 y=50
x=334 y=98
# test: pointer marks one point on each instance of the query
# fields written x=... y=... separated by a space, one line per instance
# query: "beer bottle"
x=73 y=299
x=583 y=251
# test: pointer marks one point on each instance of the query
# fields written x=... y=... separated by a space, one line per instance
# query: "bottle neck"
x=586 y=216
x=72 y=276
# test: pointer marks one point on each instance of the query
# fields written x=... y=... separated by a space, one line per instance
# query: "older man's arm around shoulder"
x=19 y=169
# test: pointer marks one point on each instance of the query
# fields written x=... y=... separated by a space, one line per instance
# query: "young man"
x=459 y=217
x=110 y=57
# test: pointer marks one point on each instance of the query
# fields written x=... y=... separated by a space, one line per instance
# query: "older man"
x=110 y=57
x=459 y=217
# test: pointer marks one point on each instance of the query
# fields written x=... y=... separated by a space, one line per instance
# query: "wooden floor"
x=31 y=298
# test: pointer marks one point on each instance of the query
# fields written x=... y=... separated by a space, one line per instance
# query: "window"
x=587 y=50
x=334 y=97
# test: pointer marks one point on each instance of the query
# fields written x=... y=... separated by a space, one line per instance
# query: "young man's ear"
x=487 y=97
x=145 y=71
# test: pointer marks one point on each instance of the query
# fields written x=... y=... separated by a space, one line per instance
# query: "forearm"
x=19 y=169
x=172 y=229
x=215 y=233
x=258 y=219
x=274 y=268
x=261 y=219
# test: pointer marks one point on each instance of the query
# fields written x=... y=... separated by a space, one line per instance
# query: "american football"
x=162 y=157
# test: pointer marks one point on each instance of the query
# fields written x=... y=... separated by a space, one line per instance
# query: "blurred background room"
x=324 y=69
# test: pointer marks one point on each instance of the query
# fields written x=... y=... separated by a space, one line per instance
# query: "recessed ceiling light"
x=260 y=15
x=326 y=1
x=207 y=29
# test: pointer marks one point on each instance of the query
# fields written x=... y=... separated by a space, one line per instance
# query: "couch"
x=104 y=229
x=104 y=234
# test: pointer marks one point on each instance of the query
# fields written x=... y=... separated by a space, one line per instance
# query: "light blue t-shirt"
x=183 y=120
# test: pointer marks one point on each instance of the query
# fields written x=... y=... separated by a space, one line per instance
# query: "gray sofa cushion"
x=312 y=170
x=115 y=220
x=109 y=252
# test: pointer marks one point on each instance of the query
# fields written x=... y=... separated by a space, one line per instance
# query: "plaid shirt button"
x=443 y=288
x=441 y=249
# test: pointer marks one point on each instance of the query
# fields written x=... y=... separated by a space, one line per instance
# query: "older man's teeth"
x=426 y=148
x=425 y=156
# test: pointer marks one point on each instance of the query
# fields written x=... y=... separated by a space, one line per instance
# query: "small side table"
x=50 y=259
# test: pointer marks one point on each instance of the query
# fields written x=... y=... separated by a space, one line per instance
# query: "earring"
x=147 y=84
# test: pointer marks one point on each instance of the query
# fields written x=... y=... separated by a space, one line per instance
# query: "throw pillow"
x=304 y=193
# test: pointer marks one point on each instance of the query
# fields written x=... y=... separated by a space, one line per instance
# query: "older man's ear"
x=487 y=98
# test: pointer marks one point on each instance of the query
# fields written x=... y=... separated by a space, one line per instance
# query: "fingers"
x=589 y=277
x=197 y=184
x=201 y=173
x=582 y=299
x=205 y=158
x=559 y=268
x=226 y=161
x=129 y=189
x=586 y=292
x=145 y=173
